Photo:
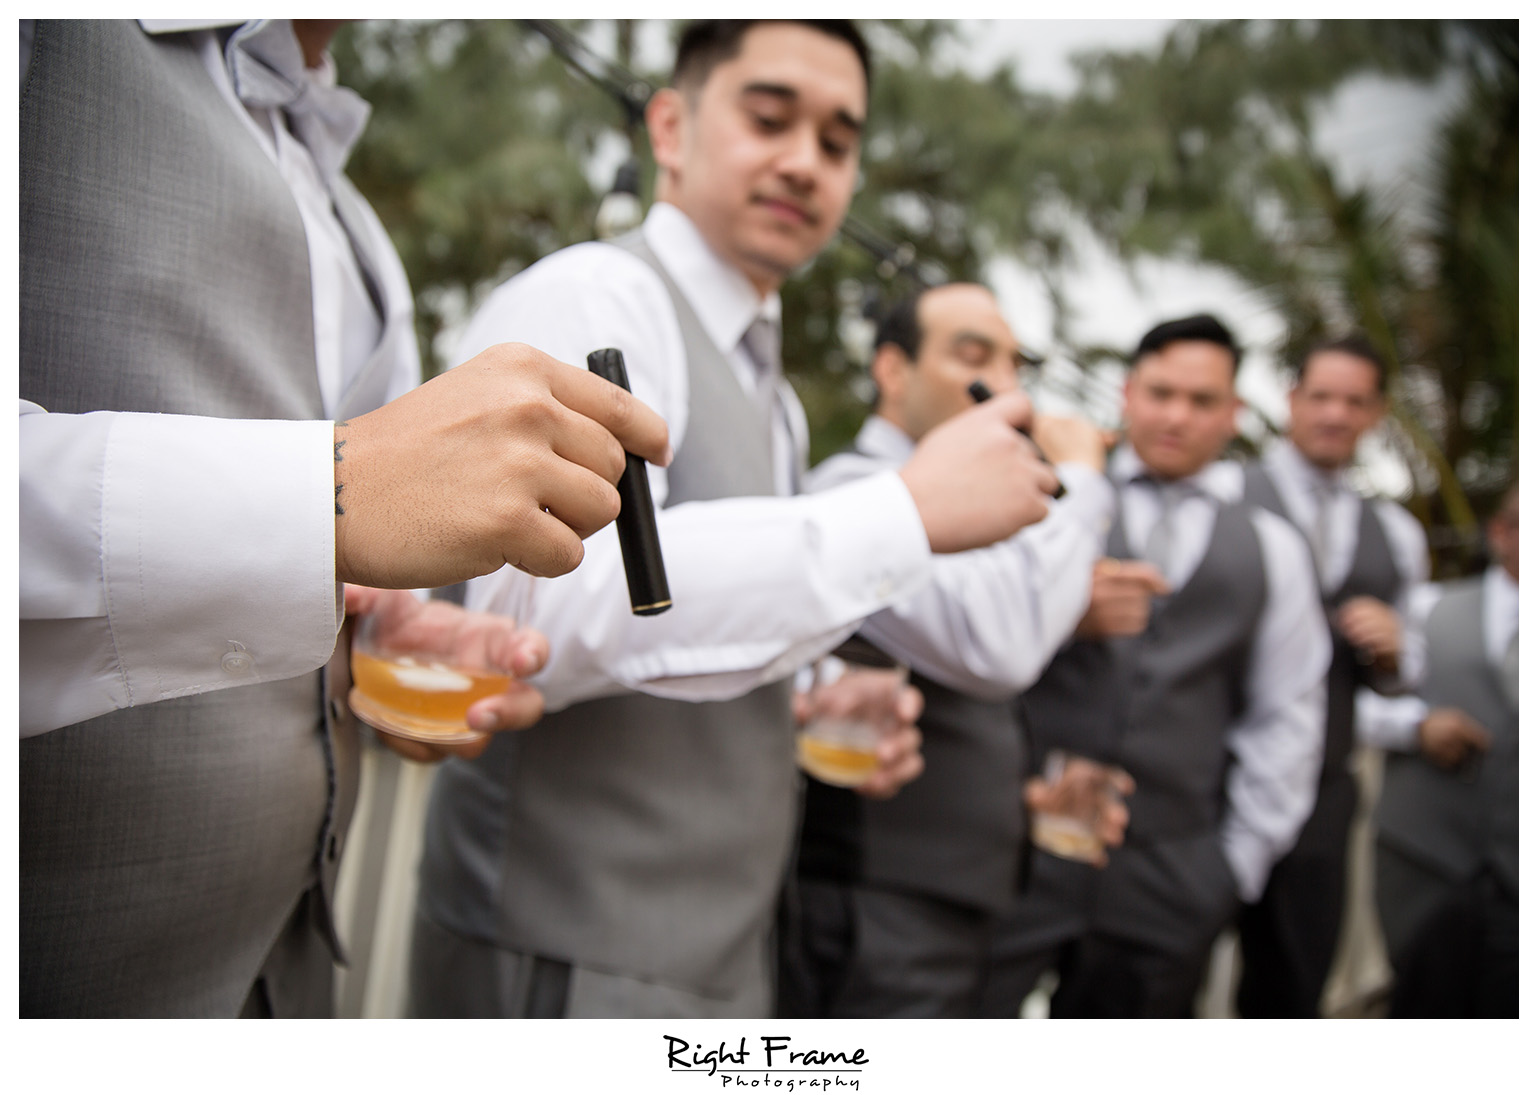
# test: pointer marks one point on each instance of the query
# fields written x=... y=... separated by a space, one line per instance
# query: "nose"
x=798 y=156
x=1001 y=374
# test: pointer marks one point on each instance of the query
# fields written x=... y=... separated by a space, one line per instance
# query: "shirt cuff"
x=218 y=552
x=1088 y=498
x=1249 y=858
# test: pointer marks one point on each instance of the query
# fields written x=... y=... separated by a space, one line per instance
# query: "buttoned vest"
x=1458 y=821
x=164 y=268
x=630 y=834
x=1372 y=574
x=1160 y=703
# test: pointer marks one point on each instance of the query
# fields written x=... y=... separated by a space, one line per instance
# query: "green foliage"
x=478 y=153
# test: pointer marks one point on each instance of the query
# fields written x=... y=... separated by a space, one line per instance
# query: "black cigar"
x=637 y=521
x=981 y=393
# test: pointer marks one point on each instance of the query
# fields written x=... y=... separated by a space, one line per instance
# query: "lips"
x=788 y=210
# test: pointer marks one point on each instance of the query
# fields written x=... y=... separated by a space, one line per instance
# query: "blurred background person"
x=1215 y=708
x=1447 y=819
x=893 y=899
x=624 y=858
x=1368 y=554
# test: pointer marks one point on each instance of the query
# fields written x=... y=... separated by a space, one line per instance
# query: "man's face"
x=962 y=338
x=1501 y=531
x=763 y=156
x=1181 y=407
x=1335 y=402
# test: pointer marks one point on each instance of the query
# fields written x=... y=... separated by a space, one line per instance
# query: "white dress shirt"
x=1393 y=722
x=759 y=585
x=989 y=620
x=1297 y=482
x=1277 y=742
x=154 y=546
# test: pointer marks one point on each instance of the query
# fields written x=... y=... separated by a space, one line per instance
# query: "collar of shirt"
x=1285 y=457
x=1501 y=609
x=267 y=70
x=1221 y=480
x=721 y=295
x=884 y=440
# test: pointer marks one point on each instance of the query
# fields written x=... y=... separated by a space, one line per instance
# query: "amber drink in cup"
x=1080 y=790
x=420 y=684
x=838 y=743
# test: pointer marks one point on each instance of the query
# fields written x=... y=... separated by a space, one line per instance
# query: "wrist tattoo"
x=336 y=453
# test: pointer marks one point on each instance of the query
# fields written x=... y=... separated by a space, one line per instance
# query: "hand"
x=1448 y=737
x=1088 y=790
x=1119 y=596
x=1373 y=628
x=881 y=696
x=520 y=651
x=975 y=480
x=1065 y=440
x=510 y=458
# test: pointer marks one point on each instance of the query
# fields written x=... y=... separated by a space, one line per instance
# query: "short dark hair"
x=1198 y=328
x=1356 y=344
x=899 y=325
x=707 y=43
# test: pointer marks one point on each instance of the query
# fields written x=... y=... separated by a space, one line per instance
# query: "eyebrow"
x=789 y=94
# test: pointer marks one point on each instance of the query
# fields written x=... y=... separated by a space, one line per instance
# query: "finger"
x=544 y=546
x=637 y=427
x=1139 y=574
x=581 y=441
x=801 y=707
x=1013 y=407
x=910 y=704
x=580 y=499
x=359 y=600
x=518 y=708
x=417 y=751
x=521 y=651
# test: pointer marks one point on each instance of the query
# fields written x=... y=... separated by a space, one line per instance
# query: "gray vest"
x=164 y=268
x=1159 y=704
x=1372 y=574
x=1456 y=822
x=635 y=835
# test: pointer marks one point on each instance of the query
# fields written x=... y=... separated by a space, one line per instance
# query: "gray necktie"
x=762 y=341
x=1158 y=549
x=1320 y=538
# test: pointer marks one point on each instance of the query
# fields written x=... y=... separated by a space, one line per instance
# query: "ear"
x=664 y=125
x=889 y=369
x=1235 y=405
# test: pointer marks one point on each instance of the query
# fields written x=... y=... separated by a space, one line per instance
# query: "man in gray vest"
x=890 y=911
x=218 y=430
x=1368 y=554
x=1447 y=820
x=1216 y=709
x=624 y=857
